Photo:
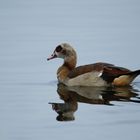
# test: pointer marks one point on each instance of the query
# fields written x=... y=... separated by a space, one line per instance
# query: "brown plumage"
x=105 y=67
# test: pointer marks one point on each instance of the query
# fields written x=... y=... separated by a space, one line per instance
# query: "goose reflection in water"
x=91 y=95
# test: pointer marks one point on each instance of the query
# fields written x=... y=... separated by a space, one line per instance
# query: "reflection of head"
x=64 y=110
x=65 y=116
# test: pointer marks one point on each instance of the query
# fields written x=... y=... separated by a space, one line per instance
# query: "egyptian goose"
x=98 y=74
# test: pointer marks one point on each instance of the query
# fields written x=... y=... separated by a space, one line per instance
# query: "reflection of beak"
x=52 y=56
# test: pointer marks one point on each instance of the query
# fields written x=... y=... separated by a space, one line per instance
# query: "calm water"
x=32 y=105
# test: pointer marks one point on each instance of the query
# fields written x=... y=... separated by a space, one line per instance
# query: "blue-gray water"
x=100 y=30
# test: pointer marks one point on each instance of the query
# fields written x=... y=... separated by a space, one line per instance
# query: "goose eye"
x=58 y=48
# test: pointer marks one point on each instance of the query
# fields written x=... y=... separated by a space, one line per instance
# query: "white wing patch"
x=100 y=74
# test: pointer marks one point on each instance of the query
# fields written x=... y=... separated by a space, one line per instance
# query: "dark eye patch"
x=58 y=48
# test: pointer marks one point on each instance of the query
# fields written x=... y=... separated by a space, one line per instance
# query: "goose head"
x=64 y=51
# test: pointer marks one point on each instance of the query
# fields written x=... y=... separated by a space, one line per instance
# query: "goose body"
x=97 y=74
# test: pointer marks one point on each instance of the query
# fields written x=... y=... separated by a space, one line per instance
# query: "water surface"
x=99 y=30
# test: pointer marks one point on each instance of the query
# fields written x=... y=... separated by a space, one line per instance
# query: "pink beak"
x=52 y=56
